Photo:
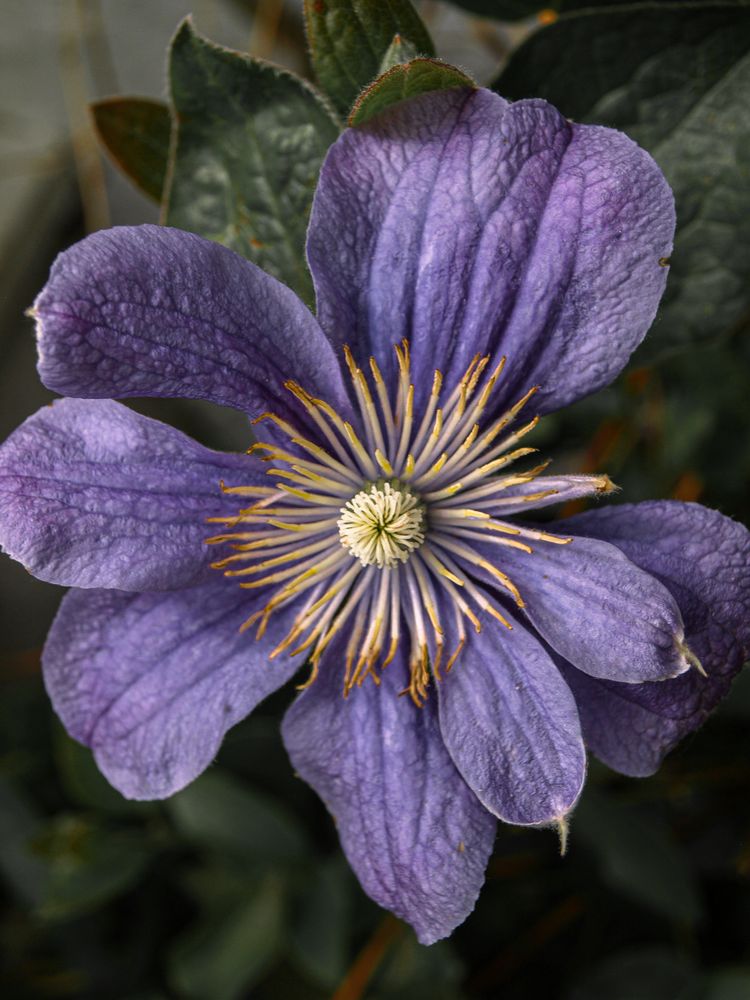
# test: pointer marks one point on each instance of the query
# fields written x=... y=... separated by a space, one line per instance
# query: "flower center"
x=382 y=524
x=388 y=536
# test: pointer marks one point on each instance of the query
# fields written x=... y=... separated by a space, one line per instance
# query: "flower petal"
x=151 y=311
x=703 y=558
x=597 y=609
x=413 y=832
x=93 y=494
x=152 y=682
x=511 y=726
x=470 y=225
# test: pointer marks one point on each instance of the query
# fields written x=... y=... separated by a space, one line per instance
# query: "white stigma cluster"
x=381 y=526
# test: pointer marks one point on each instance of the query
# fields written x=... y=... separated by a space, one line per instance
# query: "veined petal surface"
x=701 y=556
x=152 y=311
x=93 y=494
x=152 y=682
x=597 y=609
x=511 y=726
x=414 y=833
x=471 y=225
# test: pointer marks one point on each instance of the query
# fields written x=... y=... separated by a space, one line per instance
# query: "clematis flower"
x=477 y=264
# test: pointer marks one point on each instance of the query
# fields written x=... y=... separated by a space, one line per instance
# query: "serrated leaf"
x=250 y=139
x=135 y=132
x=222 y=813
x=677 y=80
x=411 y=79
x=349 y=39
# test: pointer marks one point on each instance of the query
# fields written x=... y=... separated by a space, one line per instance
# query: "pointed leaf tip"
x=404 y=81
x=349 y=40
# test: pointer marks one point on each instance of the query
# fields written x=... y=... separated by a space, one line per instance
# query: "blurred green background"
x=236 y=887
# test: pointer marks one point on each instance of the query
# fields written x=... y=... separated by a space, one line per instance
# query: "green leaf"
x=19 y=825
x=509 y=10
x=404 y=81
x=250 y=139
x=677 y=80
x=349 y=40
x=728 y=984
x=546 y=13
x=321 y=927
x=399 y=51
x=87 y=865
x=640 y=974
x=224 y=955
x=412 y=971
x=219 y=812
x=135 y=132
x=638 y=857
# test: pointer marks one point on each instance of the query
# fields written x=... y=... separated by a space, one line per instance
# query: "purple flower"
x=378 y=539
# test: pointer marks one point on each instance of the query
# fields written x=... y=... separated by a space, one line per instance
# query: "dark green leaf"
x=637 y=856
x=87 y=865
x=547 y=13
x=249 y=144
x=643 y=974
x=507 y=10
x=399 y=51
x=135 y=132
x=320 y=930
x=19 y=868
x=220 y=812
x=404 y=81
x=676 y=79
x=222 y=956
x=414 y=972
x=728 y=984
x=349 y=39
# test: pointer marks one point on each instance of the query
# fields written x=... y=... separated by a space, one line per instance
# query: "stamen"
x=379 y=528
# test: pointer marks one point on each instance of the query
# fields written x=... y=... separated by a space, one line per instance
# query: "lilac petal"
x=152 y=682
x=151 y=311
x=597 y=609
x=413 y=832
x=511 y=726
x=470 y=225
x=702 y=557
x=95 y=495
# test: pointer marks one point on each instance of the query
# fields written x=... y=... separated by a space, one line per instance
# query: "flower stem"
x=366 y=963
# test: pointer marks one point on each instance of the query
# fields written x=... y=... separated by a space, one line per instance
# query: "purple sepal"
x=414 y=833
x=596 y=608
x=93 y=494
x=152 y=682
x=152 y=311
x=701 y=556
x=470 y=225
x=510 y=724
